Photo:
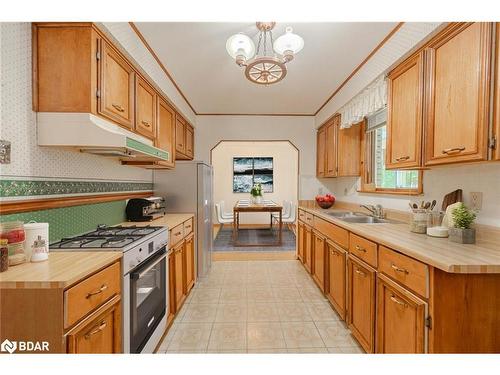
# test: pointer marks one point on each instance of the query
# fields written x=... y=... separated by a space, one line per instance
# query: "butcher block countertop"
x=482 y=257
x=61 y=270
x=169 y=220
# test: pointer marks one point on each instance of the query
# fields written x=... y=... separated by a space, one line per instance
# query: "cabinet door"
x=179 y=276
x=189 y=263
x=165 y=125
x=496 y=114
x=102 y=335
x=180 y=135
x=361 y=308
x=457 y=97
x=320 y=152
x=348 y=150
x=172 y=308
x=145 y=104
x=116 y=98
x=336 y=266
x=189 y=142
x=319 y=261
x=400 y=319
x=331 y=147
x=404 y=115
x=308 y=248
x=300 y=241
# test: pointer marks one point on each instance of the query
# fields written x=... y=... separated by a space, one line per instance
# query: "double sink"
x=360 y=218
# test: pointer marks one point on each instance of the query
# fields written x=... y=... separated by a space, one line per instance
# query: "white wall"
x=297 y=129
x=285 y=173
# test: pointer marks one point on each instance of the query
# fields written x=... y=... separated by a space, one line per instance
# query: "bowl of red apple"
x=325 y=201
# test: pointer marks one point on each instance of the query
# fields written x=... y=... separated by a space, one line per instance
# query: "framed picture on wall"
x=248 y=171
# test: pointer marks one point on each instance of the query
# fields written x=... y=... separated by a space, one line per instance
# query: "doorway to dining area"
x=273 y=167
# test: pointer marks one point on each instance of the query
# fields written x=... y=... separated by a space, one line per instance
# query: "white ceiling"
x=195 y=56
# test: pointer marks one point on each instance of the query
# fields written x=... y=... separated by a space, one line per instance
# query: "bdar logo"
x=8 y=346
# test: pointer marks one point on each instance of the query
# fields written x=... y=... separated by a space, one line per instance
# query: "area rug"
x=224 y=240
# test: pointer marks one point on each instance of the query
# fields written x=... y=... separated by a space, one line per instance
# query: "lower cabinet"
x=361 y=280
x=319 y=261
x=400 y=319
x=100 y=335
x=336 y=277
x=172 y=308
x=180 y=294
x=308 y=248
x=189 y=264
x=300 y=241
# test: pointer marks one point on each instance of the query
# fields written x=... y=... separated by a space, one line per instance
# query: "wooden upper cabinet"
x=116 y=86
x=331 y=168
x=180 y=135
x=348 y=150
x=165 y=134
x=320 y=152
x=404 y=114
x=189 y=142
x=457 y=94
x=145 y=103
x=400 y=319
x=496 y=109
x=336 y=277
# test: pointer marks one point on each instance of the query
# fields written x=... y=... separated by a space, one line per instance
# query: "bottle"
x=40 y=251
x=4 y=255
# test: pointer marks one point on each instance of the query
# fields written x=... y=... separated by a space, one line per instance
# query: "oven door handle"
x=137 y=276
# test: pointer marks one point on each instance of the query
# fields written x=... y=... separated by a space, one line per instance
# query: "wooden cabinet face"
x=116 y=100
x=165 y=137
x=146 y=109
x=361 y=309
x=180 y=135
x=300 y=241
x=189 y=142
x=320 y=150
x=496 y=113
x=171 y=286
x=179 y=276
x=100 y=336
x=319 y=261
x=400 y=320
x=308 y=249
x=331 y=147
x=404 y=115
x=189 y=270
x=348 y=150
x=336 y=259
x=457 y=94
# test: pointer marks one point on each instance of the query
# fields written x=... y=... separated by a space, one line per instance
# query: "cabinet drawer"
x=176 y=234
x=363 y=249
x=188 y=227
x=407 y=271
x=91 y=293
x=302 y=215
x=309 y=218
x=338 y=235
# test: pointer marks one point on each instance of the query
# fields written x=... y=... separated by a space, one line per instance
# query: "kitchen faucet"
x=376 y=211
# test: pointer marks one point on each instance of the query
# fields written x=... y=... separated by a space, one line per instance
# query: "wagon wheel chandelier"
x=260 y=67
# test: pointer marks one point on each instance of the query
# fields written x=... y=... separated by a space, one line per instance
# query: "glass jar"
x=418 y=221
x=435 y=226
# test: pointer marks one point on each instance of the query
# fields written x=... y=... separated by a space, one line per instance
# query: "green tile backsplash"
x=70 y=221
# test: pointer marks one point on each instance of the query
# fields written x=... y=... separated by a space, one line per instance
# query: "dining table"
x=246 y=206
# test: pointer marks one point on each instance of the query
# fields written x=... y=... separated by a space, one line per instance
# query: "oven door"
x=148 y=301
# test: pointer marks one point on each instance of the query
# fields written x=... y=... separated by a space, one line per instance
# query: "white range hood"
x=91 y=134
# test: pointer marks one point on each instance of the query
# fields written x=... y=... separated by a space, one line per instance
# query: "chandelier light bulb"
x=240 y=46
x=288 y=43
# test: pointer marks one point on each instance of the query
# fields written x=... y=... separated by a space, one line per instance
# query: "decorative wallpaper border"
x=31 y=188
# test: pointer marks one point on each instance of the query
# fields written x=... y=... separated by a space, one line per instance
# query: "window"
x=375 y=177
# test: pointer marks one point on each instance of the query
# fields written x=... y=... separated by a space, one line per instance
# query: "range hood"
x=91 y=134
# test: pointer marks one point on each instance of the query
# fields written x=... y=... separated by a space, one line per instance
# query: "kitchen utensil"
x=427 y=205
x=415 y=206
x=450 y=198
x=433 y=204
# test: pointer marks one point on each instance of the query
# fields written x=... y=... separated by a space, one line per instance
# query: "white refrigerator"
x=189 y=189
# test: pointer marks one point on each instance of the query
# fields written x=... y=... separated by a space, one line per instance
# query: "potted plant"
x=461 y=232
x=256 y=193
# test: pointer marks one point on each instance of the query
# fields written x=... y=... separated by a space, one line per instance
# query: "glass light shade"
x=240 y=44
x=288 y=42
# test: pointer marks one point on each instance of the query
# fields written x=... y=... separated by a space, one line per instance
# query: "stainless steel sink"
x=340 y=214
x=365 y=219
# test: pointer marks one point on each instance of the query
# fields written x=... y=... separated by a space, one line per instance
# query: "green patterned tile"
x=70 y=221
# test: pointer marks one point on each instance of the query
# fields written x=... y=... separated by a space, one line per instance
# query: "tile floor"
x=258 y=307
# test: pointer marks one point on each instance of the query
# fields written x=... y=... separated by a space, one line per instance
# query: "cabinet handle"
x=359 y=248
x=397 y=269
x=145 y=123
x=454 y=150
x=402 y=158
x=177 y=234
x=101 y=289
x=398 y=301
x=359 y=272
x=98 y=329
x=118 y=107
